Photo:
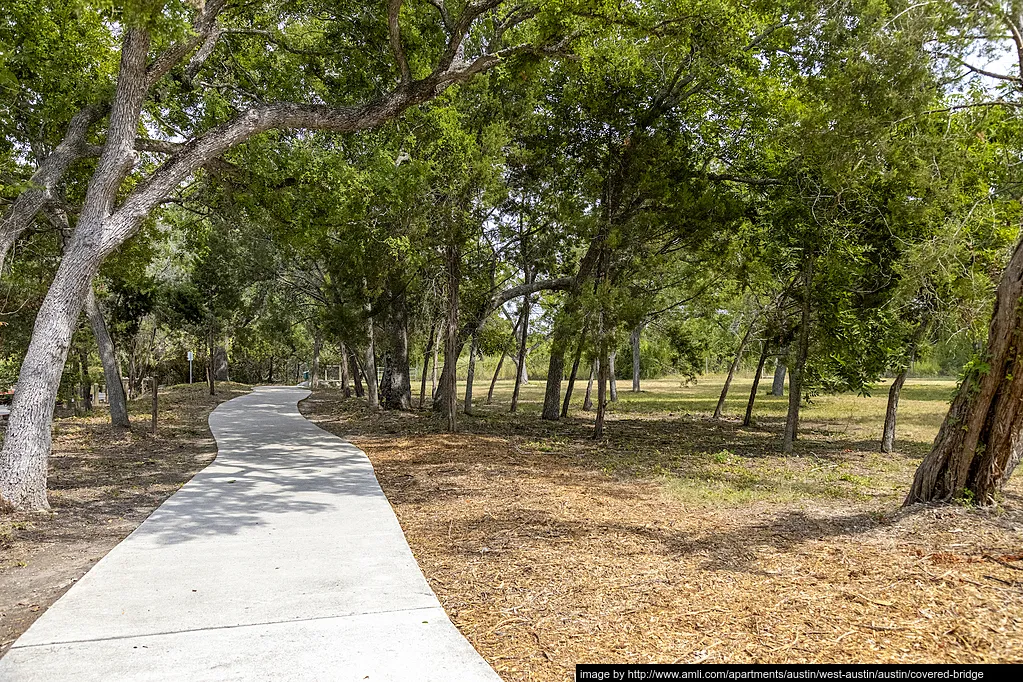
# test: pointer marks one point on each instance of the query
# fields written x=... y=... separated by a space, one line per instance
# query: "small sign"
x=190 y=356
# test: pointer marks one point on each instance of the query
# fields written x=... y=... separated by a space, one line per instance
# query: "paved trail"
x=282 y=560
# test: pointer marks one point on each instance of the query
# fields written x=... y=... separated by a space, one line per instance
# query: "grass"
x=665 y=432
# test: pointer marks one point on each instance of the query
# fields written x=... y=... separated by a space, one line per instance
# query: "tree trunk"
x=602 y=374
x=796 y=380
x=447 y=398
x=270 y=371
x=748 y=419
x=314 y=375
x=573 y=374
x=396 y=388
x=108 y=356
x=470 y=376
x=555 y=373
x=981 y=439
x=84 y=381
x=634 y=340
x=346 y=391
x=731 y=370
x=369 y=363
x=433 y=370
x=426 y=365
x=211 y=372
x=220 y=365
x=493 y=382
x=520 y=366
x=888 y=432
x=357 y=376
x=612 y=383
x=778 y=385
x=588 y=398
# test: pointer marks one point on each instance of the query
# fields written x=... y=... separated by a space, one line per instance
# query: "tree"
x=107 y=217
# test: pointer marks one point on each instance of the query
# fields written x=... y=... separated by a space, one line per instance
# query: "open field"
x=681 y=539
x=103 y=482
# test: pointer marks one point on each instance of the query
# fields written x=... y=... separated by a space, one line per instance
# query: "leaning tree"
x=165 y=71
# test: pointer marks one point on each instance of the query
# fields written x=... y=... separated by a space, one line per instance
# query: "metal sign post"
x=190 y=356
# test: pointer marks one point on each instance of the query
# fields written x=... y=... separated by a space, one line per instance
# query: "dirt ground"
x=680 y=539
x=103 y=483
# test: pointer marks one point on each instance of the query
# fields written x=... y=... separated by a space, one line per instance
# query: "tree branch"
x=394 y=33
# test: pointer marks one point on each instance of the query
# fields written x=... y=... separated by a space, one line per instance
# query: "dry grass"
x=682 y=539
x=103 y=483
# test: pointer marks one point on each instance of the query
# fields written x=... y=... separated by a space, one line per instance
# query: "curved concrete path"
x=282 y=560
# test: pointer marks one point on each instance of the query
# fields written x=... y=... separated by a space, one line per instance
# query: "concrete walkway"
x=282 y=560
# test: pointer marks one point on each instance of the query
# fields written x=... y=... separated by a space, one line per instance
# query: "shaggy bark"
x=981 y=439
x=108 y=356
x=447 y=398
x=396 y=387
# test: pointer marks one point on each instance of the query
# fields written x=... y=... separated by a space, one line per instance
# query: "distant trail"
x=281 y=560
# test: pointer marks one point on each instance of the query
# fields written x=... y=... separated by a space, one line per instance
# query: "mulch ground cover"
x=548 y=549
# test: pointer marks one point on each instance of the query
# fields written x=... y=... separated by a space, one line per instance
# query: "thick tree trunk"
x=493 y=382
x=520 y=365
x=396 y=388
x=796 y=380
x=314 y=375
x=588 y=398
x=108 y=356
x=634 y=341
x=573 y=374
x=447 y=398
x=748 y=419
x=357 y=376
x=778 y=384
x=719 y=410
x=346 y=390
x=426 y=365
x=981 y=439
x=221 y=370
x=470 y=376
x=555 y=373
